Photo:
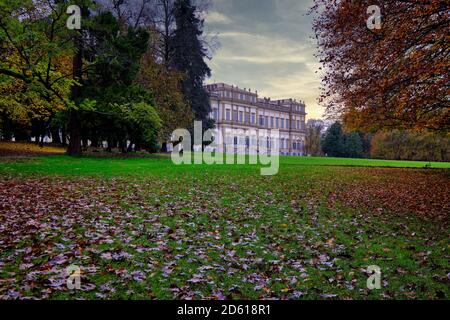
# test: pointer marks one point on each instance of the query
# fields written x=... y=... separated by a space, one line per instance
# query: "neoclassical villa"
x=240 y=109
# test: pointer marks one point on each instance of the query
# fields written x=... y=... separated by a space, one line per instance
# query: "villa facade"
x=234 y=108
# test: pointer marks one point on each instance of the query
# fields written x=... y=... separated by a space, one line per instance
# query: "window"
x=235 y=116
x=241 y=116
x=282 y=123
x=271 y=122
x=228 y=115
x=298 y=124
x=261 y=121
x=266 y=121
x=253 y=118
x=215 y=114
x=277 y=122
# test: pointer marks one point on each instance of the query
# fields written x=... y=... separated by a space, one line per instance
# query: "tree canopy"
x=393 y=77
x=109 y=80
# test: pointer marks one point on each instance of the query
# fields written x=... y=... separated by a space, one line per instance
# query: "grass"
x=156 y=165
x=143 y=228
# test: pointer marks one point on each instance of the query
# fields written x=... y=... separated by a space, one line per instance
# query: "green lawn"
x=146 y=229
x=156 y=165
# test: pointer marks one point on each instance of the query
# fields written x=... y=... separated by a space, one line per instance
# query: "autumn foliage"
x=393 y=77
x=408 y=145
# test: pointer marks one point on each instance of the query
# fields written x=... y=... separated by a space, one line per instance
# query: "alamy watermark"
x=374 y=280
x=73 y=273
x=374 y=20
x=74 y=20
x=227 y=147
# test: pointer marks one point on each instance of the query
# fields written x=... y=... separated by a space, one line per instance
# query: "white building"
x=240 y=109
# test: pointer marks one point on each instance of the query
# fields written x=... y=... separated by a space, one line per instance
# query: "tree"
x=188 y=58
x=333 y=141
x=124 y=109
x=313 y=136
x=34 y=77
x=159 y=17
x=166 y=88
x=157 y=73
x=337 y=143
x=74 y=125
x=393 y=77
x=409 y=145
x=353 y=147
x=142 y=124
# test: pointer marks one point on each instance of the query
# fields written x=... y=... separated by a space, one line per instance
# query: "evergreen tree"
x=353 y=147
x=333 y=141
x=124 y=109
x=189 y=56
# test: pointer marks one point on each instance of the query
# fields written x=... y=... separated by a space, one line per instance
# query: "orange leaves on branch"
x=395 y=77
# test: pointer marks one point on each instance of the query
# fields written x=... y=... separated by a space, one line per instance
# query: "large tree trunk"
x=74 y=148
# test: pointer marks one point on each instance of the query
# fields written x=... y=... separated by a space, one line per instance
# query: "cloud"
x=267 y=47
x=217 y=18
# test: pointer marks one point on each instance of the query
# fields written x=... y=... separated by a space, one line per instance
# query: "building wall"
x=235 y=108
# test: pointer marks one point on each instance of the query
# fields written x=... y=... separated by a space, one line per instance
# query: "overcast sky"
x=266 y=46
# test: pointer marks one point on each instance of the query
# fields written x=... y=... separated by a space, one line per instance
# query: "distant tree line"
x=132 y=74
x=335 y=141
x=410 y=145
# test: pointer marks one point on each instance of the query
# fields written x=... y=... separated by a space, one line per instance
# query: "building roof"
x=281 y=104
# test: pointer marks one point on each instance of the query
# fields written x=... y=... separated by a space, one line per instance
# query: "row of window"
x=264 y=121
x=283 y=143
